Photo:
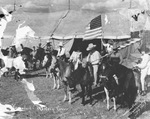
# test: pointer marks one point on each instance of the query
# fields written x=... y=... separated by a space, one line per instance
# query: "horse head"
x=105 y=70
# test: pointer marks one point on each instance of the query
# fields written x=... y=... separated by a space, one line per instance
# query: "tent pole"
x=130 y=4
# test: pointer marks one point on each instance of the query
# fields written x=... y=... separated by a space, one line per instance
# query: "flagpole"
x=102 y=34
x=130 y=4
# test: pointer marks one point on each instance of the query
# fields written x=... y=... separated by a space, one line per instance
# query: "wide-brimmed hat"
x=90 y=46
x=60 y=44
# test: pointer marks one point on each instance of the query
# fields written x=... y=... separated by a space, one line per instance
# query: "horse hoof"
x=115 y=109
x=90 y=105
x=64 y=100
x=82 y=104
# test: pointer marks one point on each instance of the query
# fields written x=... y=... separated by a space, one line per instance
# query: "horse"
x=49 y=63
x=26 y=53
x=39 y=56
x=70 y=78
x=118 y=81
x=83 y=76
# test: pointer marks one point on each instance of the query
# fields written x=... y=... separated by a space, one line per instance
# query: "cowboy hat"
x=90 y=46
x=60 y=44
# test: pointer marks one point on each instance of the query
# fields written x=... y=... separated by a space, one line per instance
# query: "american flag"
x=94 y=29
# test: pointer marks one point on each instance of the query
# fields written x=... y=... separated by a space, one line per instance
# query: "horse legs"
x=114 y=100
x=107 y=97
x=90 y=93
x=65 y=90
x=58 y=82
x=69 y=93
x=47 y=72
x=83 y=92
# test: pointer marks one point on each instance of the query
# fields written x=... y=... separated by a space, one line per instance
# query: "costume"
x=109 y=47
x=144 y=66
x=61 y=51
x=94 y=58
x=76 y=57
x=116 y=58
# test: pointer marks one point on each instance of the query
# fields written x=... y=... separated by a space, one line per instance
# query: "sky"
x=45 y=6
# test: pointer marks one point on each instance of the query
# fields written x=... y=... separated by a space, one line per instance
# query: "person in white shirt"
x=94 y=58
x=76 y=57
x=61 y=51
x=145 y=67
x=108 y=46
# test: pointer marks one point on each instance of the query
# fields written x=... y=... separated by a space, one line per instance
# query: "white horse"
x=50 y=63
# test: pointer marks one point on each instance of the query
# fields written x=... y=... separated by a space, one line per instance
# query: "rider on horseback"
x=145 y=68
x=61 y=51
x=49 y=47
x=94 y=58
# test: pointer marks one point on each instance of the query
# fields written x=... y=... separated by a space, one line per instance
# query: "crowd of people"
x=94 y=57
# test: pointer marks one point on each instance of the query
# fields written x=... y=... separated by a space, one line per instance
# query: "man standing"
x=144 y=66
x=94 y=58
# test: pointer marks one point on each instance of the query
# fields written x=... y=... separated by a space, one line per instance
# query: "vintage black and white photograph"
x=74 y=59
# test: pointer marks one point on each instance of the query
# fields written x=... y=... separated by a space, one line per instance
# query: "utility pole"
x=130 y=4
x=69 y=5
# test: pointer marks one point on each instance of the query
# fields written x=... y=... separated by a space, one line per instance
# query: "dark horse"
x=39 y=56
x=70 y=77
x=118 y=81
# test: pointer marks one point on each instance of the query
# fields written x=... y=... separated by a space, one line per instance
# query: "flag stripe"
x=94 y=29
x=94 y=33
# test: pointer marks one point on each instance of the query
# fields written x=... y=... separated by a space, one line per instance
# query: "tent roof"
x=70 y=24
x=73 y=25
x=115 y=26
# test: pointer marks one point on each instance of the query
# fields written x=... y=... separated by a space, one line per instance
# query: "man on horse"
x=76 y=57
x=26 y=53
x=115 y=57
x=49 y=48
x=108 y=46
x=61 y=51
x=94 y=58
x=145 y=68
x=40 y=54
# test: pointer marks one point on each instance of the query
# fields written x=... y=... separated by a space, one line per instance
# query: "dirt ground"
x=13 y=93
